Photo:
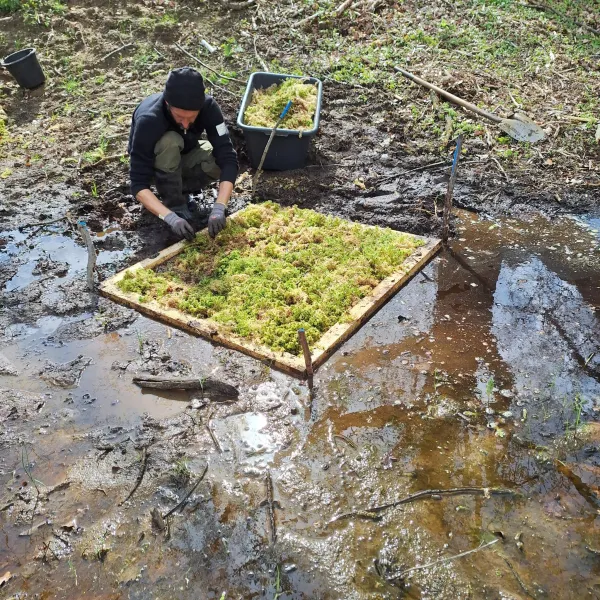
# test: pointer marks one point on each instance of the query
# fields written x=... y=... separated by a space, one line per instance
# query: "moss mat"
x=274 y=270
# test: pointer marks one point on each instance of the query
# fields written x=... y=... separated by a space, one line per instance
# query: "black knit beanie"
x=185 y=89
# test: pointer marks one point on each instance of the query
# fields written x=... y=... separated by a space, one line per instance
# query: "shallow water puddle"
x=479 y=374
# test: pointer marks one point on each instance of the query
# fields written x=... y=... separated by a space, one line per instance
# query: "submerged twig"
x=487 y=492
x=403 y=574
x=213 y=437
x=270 y=508
x=519 y=580
x=140 y=476
x=185 y=499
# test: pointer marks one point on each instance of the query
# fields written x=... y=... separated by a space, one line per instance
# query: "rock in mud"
x=6 y=367
x=67 y=374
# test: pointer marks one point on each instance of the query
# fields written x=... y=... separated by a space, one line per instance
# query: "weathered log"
x=208 y=386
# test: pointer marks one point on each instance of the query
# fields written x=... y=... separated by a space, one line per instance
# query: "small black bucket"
x=25 y=68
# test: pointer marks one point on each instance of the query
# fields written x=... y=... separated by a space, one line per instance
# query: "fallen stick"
x=309 y=18
x=140 y=476
x=91 y=264
x=519 y=580
x=207 y=67
x=207 y=385
x=42 y=223
x=342 y=7
x=102 y=161
x=213 y=437
x=123 y=47
x=185 y=499
x=238 y=5
x=263 y=64
x=428 y=494
x=403 y=574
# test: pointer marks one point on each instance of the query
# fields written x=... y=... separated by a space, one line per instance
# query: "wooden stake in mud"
x=91 y=264
x=448 y=201
x=306 y=352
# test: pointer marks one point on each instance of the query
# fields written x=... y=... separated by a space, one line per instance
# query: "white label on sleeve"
x=222 y=129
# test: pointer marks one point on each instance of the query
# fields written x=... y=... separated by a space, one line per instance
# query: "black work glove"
x=180 y=226
x=216 y=221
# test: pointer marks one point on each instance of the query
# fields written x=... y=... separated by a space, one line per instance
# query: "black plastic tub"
x=25 y=68
x=289 y=147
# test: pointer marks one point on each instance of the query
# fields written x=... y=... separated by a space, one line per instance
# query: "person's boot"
x=169 y=186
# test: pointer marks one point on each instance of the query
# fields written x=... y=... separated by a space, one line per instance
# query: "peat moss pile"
x=267 y=103
x=274 y=270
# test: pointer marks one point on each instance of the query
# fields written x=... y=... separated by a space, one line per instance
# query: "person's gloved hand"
x=216 y=221
x=180 y=226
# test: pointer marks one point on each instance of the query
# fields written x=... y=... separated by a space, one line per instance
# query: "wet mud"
x=480 y=378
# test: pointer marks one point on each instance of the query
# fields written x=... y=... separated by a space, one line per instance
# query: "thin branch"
x=102 y=160
x=519 y=580
x=429 y=494
x=185 y=499
x=207 y=67
x=500 y=167
x=260 y=60
x=403 y=574
x=343 y=6
x=309 y=18
x=140 y=476
x=123 y=47
x=238 y=5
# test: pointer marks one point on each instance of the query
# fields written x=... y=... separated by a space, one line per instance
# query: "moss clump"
x=274 y=270
x=267 y=103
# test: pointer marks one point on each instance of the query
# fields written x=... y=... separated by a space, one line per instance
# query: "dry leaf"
x=598 y=134
x=5 y=578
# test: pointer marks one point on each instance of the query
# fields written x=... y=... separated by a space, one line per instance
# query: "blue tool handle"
x=285 y=110
x=456 y=155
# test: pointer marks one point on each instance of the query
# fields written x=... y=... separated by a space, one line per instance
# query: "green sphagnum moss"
x=274 y=270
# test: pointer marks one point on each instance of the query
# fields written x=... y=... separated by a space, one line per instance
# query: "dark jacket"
x=151 y=120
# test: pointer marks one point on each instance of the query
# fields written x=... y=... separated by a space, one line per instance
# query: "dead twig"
x=519 y=580
x=213 y=437
x=310 y=18
x=185 y=499
x=501 y=168
x=120 y=49
x=343 y=6
x=238 y=5
x=140 y=476
x=102 y=160
x=42 y=224
x=263 y=64
x=434 y=494
x=208 y=67
x=403 y=574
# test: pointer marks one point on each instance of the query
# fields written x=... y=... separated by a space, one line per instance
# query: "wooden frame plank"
x=293 y=365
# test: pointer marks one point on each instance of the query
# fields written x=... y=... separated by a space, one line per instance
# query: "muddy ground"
x=481 y=376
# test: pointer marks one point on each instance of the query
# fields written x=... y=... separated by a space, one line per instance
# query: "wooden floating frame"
x=360 y=313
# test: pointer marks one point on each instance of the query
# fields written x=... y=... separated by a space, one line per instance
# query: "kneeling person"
x=165 y=146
